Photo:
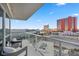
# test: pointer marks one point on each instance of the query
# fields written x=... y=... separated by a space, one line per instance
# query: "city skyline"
x=49 y=13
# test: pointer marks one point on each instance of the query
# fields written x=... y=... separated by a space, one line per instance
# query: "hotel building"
x=67 y=24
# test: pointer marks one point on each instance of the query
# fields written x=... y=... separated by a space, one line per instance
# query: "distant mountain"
x=24 y=30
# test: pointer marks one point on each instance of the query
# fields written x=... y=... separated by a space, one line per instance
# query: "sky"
x=49 y=13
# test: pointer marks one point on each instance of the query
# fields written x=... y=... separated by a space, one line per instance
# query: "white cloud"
x=58 y=4
x=75 y=14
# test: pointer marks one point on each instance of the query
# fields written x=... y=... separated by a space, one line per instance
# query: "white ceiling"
x=20 y=11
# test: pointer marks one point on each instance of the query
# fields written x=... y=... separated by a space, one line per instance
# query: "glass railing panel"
x=7 y=26
x=70 y=49
x=0 y=28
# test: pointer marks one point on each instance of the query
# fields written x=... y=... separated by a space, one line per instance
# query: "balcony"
x=30 y=44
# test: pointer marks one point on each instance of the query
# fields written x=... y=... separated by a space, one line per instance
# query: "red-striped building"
x=67 y=24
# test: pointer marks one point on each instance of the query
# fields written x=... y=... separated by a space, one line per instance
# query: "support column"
x=10 y=32
x=3 y=27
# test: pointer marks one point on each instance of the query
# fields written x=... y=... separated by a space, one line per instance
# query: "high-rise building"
x=46 y=27
x=67 y=24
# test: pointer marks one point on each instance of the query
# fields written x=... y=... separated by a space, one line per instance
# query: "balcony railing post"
x=28 y=36
x=60 y=48
x=35 y=39
x=26 y=51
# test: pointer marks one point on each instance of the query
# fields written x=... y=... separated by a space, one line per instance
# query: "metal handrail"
x=54 y=38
